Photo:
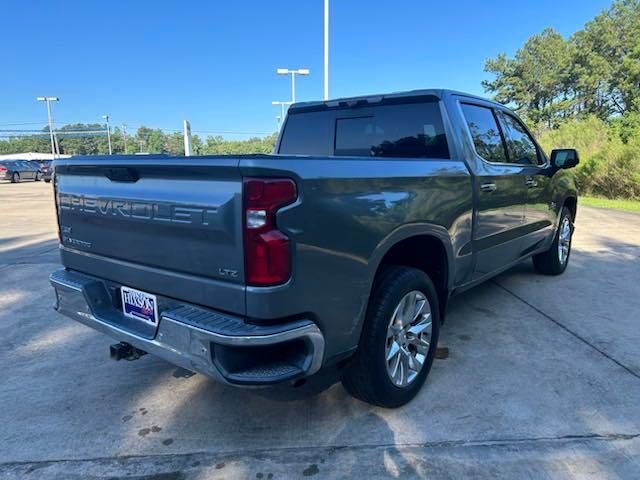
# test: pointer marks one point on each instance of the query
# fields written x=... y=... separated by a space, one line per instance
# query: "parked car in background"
x=46 y=169
x=340 y=253
x=18 y=170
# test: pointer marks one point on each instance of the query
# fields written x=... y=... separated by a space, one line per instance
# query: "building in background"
x=30 y=156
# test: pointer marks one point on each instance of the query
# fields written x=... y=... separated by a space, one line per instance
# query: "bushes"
x=609 y=167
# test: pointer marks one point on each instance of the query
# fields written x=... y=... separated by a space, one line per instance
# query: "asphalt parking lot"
x=542 y=380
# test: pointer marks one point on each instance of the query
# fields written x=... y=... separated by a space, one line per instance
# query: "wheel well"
x=572 y=204
x=426 y=253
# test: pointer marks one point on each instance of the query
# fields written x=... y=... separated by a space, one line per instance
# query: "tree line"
x=582 y=91
x=594 y=71
x=144 y=140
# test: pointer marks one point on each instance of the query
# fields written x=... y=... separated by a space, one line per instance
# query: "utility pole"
x=124 y=136
x=326 y=49
x=106 y=117
x=293 y=73
x=50 y=120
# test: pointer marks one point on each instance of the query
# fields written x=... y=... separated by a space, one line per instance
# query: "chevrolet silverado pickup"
x=339 y=251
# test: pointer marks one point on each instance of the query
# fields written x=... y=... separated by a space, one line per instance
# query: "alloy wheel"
x=408 y=338
x=564 y=240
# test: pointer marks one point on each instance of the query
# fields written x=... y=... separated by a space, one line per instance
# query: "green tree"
x=537 y=81
x=150 y=140
x=83 y=143
x=174 y=144
x=608 y=60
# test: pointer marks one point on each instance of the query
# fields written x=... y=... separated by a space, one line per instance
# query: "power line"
x=213 y=132
x=4 y=132
x=20 y=123
x=58 y=131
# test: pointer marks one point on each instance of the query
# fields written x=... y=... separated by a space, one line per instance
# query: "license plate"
x=139 y=305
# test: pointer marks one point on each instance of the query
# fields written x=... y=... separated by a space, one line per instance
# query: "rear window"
x=308 y=133
x=409 y=130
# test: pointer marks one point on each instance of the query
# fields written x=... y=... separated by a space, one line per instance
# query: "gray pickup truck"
x=337 y=253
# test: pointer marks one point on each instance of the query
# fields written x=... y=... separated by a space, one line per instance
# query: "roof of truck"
x=334 y=102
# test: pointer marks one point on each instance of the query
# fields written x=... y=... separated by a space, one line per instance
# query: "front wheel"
x=555 y=260
x=399 y=339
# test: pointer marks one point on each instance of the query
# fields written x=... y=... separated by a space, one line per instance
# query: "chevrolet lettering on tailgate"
x=137 y=209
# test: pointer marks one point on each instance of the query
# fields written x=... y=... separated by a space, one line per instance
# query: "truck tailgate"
x=148 y=222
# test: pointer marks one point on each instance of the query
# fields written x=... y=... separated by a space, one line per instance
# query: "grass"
x=623 y=205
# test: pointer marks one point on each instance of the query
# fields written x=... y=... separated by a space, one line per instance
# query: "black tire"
x=15 y=178
x=47 y=180
x=366 y=376
x=549 y=262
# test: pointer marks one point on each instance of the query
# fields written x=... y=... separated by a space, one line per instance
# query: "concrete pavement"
x=542 y=379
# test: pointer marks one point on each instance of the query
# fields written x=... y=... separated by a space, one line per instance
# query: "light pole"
x=187 y=139
x=282 y=105
x=326 y=49
x=124 y=136
x=106 y=118
x=293 y=73
x=50 y=120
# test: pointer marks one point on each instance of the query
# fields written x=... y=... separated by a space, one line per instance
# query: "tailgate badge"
x=228 y=272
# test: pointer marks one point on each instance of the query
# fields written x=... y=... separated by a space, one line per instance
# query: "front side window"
x=521 y=147
x=485 y=132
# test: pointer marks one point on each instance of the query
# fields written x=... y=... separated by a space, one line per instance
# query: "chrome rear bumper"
x=218 y=345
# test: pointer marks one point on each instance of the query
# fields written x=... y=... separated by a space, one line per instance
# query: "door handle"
x=488 y=187
x=530 y=182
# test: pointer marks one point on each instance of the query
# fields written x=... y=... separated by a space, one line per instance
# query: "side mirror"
x=564 y=158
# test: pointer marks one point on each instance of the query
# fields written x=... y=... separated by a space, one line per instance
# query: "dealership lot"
x=542 y=378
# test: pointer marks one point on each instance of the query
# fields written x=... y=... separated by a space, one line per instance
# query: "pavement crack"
x=493 y=442
x=568 y=330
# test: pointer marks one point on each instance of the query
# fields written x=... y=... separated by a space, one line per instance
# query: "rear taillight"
x=3 y=169
x=267 y=250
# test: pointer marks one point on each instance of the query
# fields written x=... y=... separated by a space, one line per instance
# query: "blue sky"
x=157 y=62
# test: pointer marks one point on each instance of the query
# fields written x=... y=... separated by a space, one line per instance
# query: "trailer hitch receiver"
x=125 y=351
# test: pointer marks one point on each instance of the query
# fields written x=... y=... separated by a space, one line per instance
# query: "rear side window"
x=410 y=130
x=413 y=130
x=521 y=147
x=485 y=132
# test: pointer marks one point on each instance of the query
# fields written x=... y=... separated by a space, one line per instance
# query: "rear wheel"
x=555 y=260
x=15 y=178
x=398 y=341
